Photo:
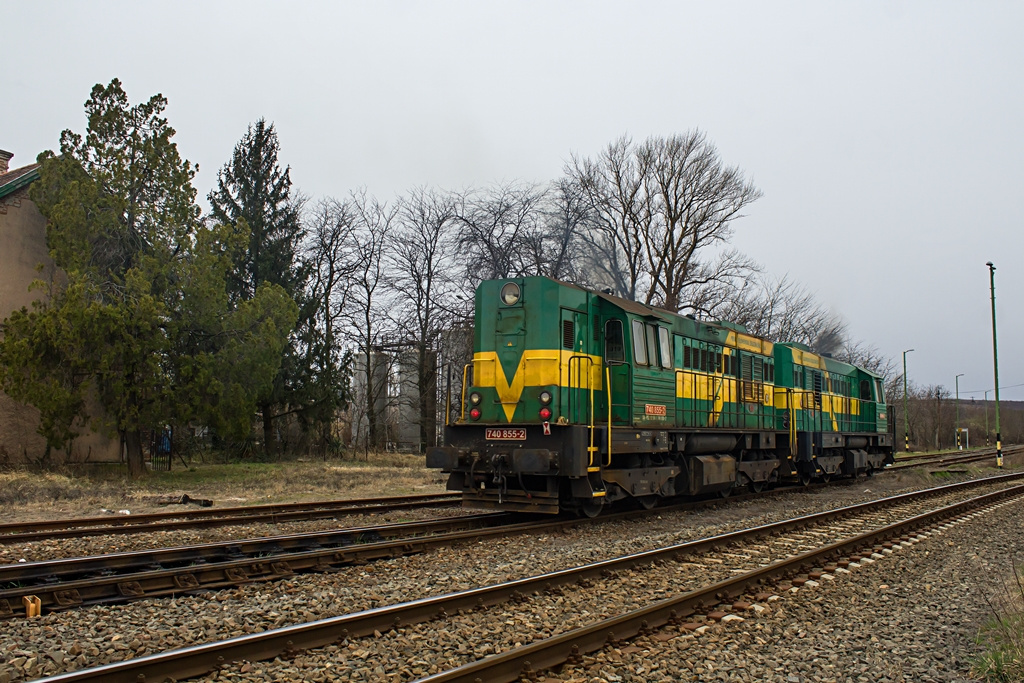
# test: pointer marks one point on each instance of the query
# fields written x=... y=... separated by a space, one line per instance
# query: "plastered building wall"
x=22 y=252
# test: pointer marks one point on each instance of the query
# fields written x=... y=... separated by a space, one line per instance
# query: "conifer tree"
x=253 y=187
x=140 y=315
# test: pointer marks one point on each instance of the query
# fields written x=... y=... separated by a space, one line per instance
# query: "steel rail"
x=569 y=646
x=949 y=459
x=64 y=584
x=122 y=577
x=924 y=459
x=18 y=532
x=201 y=659
x=134 y=560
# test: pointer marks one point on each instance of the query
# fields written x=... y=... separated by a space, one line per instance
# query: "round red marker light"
x=545 y=413
x=475 y=413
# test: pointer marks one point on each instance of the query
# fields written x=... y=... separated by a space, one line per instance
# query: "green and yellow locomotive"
x=580 y=398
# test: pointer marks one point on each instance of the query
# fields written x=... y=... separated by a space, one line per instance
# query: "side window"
x=666 y=348
x=865 y=390
x=614 y=348
x=652 y=345
x=639 y=347
x=879 y=394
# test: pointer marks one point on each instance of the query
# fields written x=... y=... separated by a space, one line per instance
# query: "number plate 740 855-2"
x=506 y=433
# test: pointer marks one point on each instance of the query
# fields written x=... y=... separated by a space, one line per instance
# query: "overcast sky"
x=887 y=137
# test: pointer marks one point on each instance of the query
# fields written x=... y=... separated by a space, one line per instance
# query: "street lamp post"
x=957 y=380
x=906 y=419
x=995 y=361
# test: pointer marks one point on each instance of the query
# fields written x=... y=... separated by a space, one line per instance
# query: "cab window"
x=614 y=347
x=652 y=345
x=666 y=348
x=639 y=346
x=865 y=390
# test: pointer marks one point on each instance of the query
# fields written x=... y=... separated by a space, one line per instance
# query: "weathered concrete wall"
x=22 y=251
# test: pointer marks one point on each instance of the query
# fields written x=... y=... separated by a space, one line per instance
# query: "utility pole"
x=986 y=417
x=995 y=361
x=906 y=419
x=957 y=380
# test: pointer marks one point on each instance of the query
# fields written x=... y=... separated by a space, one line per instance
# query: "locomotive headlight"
x=545 y=397
x=474 y=398
x=510 y=294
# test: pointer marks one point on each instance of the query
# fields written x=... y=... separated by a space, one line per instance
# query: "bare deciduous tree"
x=495 y=226
x=370 y=298
x=329 y=242
x=555 y=248
x=423 y=257
x=612 y=186
x=779 y=309
x=656 y=206
x=719 y=287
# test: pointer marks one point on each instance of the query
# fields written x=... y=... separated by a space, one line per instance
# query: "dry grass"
x=31 y=494
x=1003 y=637
x=30 y=486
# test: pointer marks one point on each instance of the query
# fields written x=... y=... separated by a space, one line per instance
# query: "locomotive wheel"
x=727 y=492
x=805 y=479
x=647 y=502
x=826 y=477
x=757 y=486
x=591 y=508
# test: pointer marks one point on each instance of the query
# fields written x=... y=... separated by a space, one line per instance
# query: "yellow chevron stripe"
x=537 y=367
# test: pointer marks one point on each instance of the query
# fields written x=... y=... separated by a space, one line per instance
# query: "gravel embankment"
x=59 y=642
x=913 y=615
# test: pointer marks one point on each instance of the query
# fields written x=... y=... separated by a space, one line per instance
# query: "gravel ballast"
x=88 y=637
x=914 y=615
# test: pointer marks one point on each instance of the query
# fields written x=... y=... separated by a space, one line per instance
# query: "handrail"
x=465 y=373
x=714 y=385
x=680 y=416
x=608 y=382
x=579 y=358
x=792 y=422
x=590 y=386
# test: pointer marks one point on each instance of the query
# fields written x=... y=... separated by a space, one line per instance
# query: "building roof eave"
x=15 y=180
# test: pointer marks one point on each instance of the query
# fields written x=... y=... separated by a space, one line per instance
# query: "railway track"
x=64 y=584
x=945 y=459
x=70 y=583
x=121 y=577
x=195 y=519
x=667 y=585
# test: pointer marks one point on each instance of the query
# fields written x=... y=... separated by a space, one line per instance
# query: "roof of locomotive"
x=637 y=308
